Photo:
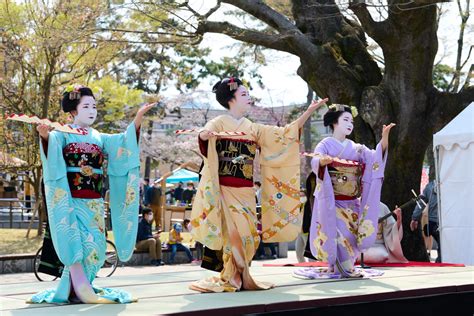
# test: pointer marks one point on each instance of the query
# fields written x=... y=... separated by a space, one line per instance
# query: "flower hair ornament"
x=74 y=91
x=354 y=111
x=232 y=84
x=340 y=108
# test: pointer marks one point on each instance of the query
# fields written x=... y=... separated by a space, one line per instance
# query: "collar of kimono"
x=237 y=120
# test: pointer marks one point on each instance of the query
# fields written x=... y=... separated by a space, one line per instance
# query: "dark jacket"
x=430 y=197
x=144 y=230
x=178 y=194
x=153 y=195
x=188 y=195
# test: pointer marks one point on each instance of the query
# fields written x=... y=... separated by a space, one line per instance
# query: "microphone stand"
x=362 y=264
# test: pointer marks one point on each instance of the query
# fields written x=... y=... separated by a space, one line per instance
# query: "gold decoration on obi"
x=247 y=170
x=232 y=147
x=375 y=166
x=346 y=179
x=252 y=148
x=87 y=171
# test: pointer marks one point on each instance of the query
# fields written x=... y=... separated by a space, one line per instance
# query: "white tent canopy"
x=454 y=157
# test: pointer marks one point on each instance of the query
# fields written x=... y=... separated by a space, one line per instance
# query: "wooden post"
x=163 y=188
x=163 y=202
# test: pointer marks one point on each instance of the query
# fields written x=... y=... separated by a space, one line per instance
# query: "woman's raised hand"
x=141 y=112
x=44 y=130
x=316 y=104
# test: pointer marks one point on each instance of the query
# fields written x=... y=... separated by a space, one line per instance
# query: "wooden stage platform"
x=160 y=292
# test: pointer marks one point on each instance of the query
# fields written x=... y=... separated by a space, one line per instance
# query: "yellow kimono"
x=224 y=211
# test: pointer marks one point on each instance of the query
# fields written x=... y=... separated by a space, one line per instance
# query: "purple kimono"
x=343 y=225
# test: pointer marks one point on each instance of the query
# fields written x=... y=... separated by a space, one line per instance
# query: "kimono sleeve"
x=280 y=172
x=206 y=216
x=392 y=236
x=62 y=220
x=372 y=179
x=322 y=175
x=322 y=237
x=123 y=171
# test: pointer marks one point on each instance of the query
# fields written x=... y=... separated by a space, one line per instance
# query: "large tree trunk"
x=403 y=97
x=307 y=136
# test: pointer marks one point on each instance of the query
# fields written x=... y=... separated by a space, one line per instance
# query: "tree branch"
x=263 y=12
x=376 y=30
x=290 y=38
x=212 y=10
x=470 y=74
x=273 y=41
x=447 y=105
x=190 y=34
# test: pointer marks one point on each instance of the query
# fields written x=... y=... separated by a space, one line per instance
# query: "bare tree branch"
x=464 y=18
x=470 y=74
x=376 y=30
x=263 y=12
x=274 y=41
x=144 y=32
x=212 y=10
x=447 y=104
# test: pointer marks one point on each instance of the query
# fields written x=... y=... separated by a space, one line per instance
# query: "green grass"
x=13 y=241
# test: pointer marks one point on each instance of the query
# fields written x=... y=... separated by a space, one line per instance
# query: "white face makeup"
x=241 y=99
x=86 y=111
x=345 y=124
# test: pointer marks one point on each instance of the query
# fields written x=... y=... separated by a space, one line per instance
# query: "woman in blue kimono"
x=72 y=176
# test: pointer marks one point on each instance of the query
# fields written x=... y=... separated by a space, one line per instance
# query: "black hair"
x=258 y=183
x=186 y=220
x=71 y=99
x=225 y=90
x=333 y=114
x=146 y=210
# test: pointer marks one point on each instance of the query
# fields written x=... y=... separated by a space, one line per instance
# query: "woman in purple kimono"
x=346 y=198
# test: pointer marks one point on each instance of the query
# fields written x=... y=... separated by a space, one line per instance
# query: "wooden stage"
x=166 y=292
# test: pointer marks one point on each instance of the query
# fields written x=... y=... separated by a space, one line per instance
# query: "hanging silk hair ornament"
x=232 y=84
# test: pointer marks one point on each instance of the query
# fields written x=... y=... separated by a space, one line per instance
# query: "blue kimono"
x=73 y=183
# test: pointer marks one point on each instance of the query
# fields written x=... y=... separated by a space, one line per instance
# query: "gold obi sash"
x=346 y=178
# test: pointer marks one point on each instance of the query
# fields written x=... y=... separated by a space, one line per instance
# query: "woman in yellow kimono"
x=224 y=211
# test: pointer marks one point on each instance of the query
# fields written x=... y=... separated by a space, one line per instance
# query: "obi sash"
x=346 y=179
x=236 y=161
x=84 y=169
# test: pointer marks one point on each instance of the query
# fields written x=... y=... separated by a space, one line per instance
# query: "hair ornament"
x=336 y=107
x=232 y=84
x=354 y=111
x=74 y=91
